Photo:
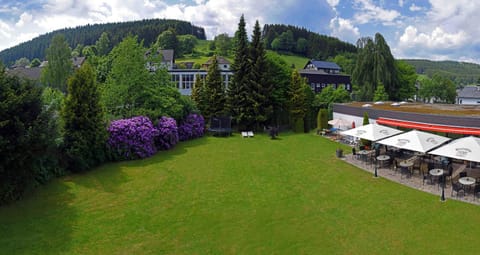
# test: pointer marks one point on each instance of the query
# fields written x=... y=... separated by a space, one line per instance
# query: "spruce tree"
x=260 y=87
x=215 y=90
x=298 y=101
x=238 y=87
x=83 y=116
x=198 y=94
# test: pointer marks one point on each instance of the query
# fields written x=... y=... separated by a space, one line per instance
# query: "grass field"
x=236 y=196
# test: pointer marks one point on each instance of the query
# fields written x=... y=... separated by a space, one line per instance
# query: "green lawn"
x=236 y=196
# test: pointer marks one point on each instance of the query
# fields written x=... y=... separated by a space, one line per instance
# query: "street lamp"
x=442 y=198
x=375 y=175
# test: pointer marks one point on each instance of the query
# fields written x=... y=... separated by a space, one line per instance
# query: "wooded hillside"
x=146 y=30
x=461 y=73
x=287 y=38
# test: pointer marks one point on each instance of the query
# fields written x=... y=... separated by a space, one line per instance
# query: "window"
x=176 y=80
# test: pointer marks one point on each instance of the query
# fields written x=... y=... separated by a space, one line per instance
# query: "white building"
x=469 y=95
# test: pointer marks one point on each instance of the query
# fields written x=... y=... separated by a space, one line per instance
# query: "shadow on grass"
x=41 y=223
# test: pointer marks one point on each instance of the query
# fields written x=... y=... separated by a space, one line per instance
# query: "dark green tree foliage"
x=147 y=30
x=279 y=75
x=322 y=119
x=406 y=78
x=438 y=89
x=199 y=96
x=27 y=145
x=131 y=90
x=380 y=94
x=214 y=90
x=239 y=85
x=35 y=62
x=375 y=64
x=298 y=101
x=462 y=73
x=168 y=40
x=284 y=42
x=103 y=45
x=260 y=87
x=311 y=112
x=222 y=44
x=84 y=126
x=318 y=46
x=59 y=65
x=22 y=62
x=187 y=43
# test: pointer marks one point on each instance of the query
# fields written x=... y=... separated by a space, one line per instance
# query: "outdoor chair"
x=244 y=134
x=405 y=171
x=448 y=173
x=458 y=188
x=462 y=174
x=476 y=191
x=250 y=133
x=425 y=174
x=394 y=165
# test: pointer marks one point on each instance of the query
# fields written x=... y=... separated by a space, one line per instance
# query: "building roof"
x=78 y=61
x=309 y=71
x=323 y=65
x=32 y=73
x=167 y=55
x=469 y=92
x=221 y=61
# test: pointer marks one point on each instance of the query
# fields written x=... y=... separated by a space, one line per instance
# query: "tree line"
x=292 y=39
x=146 y=30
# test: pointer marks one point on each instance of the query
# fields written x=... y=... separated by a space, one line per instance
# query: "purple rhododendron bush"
x=167 y=135
x=192 y=127
x=132 y=138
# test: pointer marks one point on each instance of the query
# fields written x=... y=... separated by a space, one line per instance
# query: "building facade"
x=469 y=95
x=320 y=74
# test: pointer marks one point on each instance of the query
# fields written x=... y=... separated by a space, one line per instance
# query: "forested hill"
x=287 y=38
x=459 y=72
x=147 y=30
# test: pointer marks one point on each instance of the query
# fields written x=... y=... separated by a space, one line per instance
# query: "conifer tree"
x=215 y=90
x=260 y=88
x=85 y=133
x=198 y=94
x=298 y=101
x=238 y=87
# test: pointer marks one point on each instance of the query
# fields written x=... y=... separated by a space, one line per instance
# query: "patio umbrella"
x=372 y=132
x=466 y=148
x=339 y=123
x=415 y=141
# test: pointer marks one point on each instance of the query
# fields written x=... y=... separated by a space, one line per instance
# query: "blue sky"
x=433 y=29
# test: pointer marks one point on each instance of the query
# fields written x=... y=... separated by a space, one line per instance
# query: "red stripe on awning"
x=429 y=127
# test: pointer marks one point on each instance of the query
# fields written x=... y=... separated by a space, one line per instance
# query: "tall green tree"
x=375 y=64
x=26 y=137
x=223 y=44
x=168 y=40
x=238 y=88
x=103 y=44
x=130 y=89
x=187 y=43
x=60 y=65
x=407 y=76
x=278 y=74
x=215 y=90
x=84 y=126
x=199 y=95
x=380 y=94
x=260 y=87
x=298 y=101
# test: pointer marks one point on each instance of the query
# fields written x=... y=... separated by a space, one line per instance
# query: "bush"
x=167 y=133
x=192 y=127
x=132 y=138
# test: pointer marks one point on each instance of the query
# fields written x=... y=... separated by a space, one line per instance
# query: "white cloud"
x=400 y=3
x=437 y=39
x=333 y=3
x=25 y=18
x=368 y=12
x=344 y=29
x=5 y=30
x=415 y=8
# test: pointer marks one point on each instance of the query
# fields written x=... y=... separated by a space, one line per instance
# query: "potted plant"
x=339 y=153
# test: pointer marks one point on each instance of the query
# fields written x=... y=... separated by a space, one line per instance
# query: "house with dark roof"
x=324 y=66
x=29 y=73
x=469 y=95
x=320 y=74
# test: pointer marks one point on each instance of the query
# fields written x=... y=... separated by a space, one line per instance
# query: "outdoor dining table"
x=363 y=154
x=436 y=172
x=467 y=182
x=383 y=159
x=406 y=163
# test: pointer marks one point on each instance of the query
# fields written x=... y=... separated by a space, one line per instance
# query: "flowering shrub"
x=132 y=138
x=192 y=127
x=167 y=133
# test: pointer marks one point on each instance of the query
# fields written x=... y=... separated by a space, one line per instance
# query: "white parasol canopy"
x=415 y=141
x=466 y=148
x=340 y=123
x=372 y=132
